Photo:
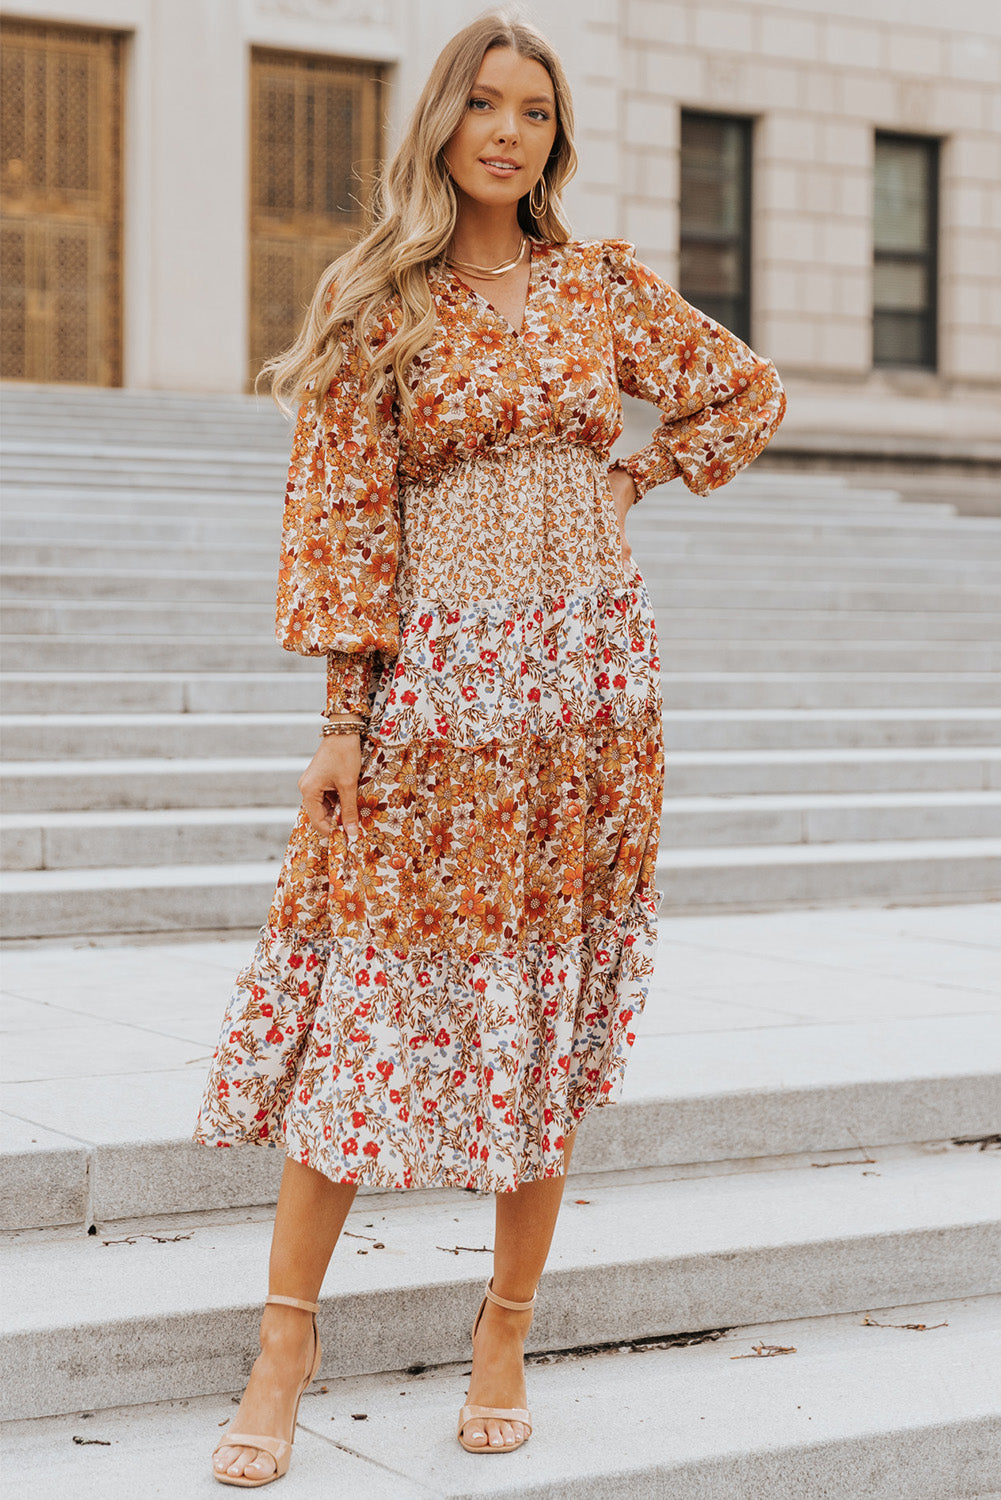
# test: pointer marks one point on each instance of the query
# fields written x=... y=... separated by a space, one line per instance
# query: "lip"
x=507 y=170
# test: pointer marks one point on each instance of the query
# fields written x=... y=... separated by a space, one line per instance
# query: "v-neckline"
x=485 y=301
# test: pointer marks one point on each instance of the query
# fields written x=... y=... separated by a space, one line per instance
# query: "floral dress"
x=440 y=1002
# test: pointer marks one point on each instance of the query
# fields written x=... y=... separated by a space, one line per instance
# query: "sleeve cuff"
x=649 y=467
x=349 y=678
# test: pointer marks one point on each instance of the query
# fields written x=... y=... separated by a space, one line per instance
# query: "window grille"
x=316 y=142
x=716 y=217
x=905 y=234
x=60 y=203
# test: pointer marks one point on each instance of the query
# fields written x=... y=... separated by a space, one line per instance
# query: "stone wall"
x=818 y=76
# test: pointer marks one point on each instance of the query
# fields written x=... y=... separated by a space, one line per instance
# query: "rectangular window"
x=716 y=218
x=905 y=235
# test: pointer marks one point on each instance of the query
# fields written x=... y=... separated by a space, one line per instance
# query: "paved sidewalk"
x=110 y=1042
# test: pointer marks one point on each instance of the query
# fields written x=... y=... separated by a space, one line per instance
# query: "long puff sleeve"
x=721 y=402
x=340 y=537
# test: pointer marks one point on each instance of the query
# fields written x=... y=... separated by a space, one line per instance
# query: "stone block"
x=20 y=847
x=871 y=97
x=975 y=155
x=677 y=73
x=603 y=158
x=776 y=187
x=651 y=122
x=909 y=51
x=853 y=295
x=789 y=35
x=974 y=56
x=820 y=189
x=956 y=106
x=852 y=44
x=965 y=205
x=599 y=55
x=818 y=291
x=44 y=1179
x=789 y=137
x=658 y=21
x=768 y=85
x=819 y=90
x=975 y=254
x=723 y=29
x=788 y=239
x=596 y=105
x=773 y=289
x=854 y=193
x=964 y=302
x=791 y=341
x=649 y=226
x=846 y=143
x=975 y=354
x=845 y=242
x=844 y=344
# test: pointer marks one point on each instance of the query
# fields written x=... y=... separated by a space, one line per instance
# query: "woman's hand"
x=624 y=495
x=331 y=780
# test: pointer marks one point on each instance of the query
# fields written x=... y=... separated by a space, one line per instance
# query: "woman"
x=465 y=921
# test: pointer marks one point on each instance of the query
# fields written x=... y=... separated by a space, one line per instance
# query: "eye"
x=473 y=103
x=539 y=114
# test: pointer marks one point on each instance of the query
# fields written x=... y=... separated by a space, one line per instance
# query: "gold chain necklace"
x=509 y=265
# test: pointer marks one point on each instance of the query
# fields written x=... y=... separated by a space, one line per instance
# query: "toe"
x=475 y=1433
x=260 y=1466
x=253 y=1463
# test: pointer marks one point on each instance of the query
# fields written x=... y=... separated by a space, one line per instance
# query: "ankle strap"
x=293 y=1302
x=505 y=1302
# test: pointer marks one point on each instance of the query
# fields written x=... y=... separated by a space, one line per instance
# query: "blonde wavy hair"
x=415 y=219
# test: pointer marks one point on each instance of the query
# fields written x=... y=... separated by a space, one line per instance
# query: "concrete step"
x=299 y=692
x=681 y=532
x=258 y=652
x=95 y=736
x=145 y=617
x=131 y=484
x=702 y=822
x=933 y=573
x=266 y=781
x=211 y=835
x=671 y=593
x=191 y=898
x=234 y=835
x=790 y=1428
x=703 y=1252
x=769 y=877
x=115 y=1145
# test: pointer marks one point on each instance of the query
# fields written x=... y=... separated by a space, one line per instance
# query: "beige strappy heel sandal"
x=279 y=1448
x=507 y=1414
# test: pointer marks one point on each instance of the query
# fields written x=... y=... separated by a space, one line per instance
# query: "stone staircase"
x=804 y=1161
x=832 y=675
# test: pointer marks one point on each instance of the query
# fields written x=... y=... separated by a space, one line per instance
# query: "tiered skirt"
x=440 y=1002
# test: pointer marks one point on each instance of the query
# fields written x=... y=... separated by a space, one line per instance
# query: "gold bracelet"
x=352 y=727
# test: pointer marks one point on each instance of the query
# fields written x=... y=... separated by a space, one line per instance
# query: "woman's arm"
x=337 y=570
x=340 y=538
x=721 y=403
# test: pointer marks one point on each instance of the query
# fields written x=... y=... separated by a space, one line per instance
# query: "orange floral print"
x=439 y=1003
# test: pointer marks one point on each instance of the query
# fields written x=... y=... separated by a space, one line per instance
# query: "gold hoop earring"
x=539 y=210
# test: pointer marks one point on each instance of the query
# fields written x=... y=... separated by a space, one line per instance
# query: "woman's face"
x=501 y=146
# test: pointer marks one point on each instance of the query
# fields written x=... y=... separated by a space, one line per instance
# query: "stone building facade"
x=821 y=95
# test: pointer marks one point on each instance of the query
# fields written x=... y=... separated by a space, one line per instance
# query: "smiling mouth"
x=492 y=165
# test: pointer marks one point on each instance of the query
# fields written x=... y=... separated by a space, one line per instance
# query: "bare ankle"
x=285 y=1327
